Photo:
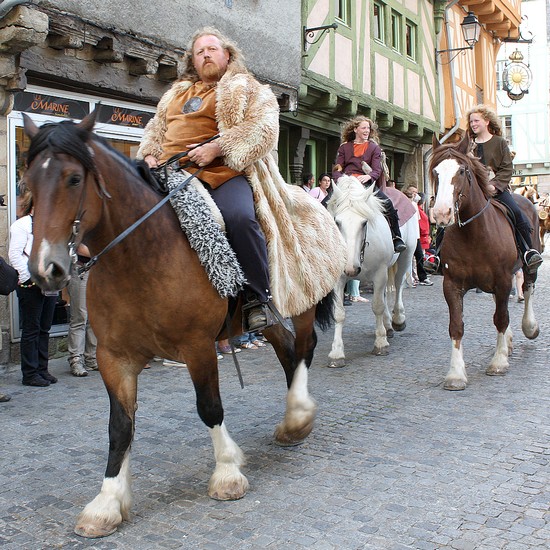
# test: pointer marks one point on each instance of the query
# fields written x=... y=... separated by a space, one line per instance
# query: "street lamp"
x=309 y=33
x=471 y=28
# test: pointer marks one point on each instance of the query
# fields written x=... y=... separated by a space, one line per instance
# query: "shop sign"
x=50 y=105
x=109 y=114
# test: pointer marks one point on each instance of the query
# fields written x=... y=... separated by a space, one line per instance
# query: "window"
x=343 y=11
x=378 y=22
x=410 y=39
x=396 y=31
x=506 y=123
x=500 y=66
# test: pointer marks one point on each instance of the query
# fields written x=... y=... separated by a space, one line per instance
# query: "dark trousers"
x=236 y=203
x=390 y=214
x=419 y=257
x=36 y=316
x=523 y=227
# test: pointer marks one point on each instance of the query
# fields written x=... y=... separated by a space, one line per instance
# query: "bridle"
x=461 y=223
x=171 y=164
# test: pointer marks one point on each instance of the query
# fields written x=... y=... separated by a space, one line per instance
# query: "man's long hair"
x=236 y=58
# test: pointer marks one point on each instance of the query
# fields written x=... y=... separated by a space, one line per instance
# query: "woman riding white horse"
x=359 y=214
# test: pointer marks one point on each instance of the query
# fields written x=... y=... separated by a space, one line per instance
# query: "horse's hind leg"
x=111 y=506
x=337 y=355
x=227 y=482
x=295 y=356
x=529 y=324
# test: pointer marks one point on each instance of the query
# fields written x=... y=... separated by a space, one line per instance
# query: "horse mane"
x=69 y=138
x=478 y=169
x=364 y=201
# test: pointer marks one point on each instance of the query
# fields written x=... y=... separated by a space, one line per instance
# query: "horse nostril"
x=56 y=271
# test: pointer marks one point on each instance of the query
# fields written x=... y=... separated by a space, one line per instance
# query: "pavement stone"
x=394 y=462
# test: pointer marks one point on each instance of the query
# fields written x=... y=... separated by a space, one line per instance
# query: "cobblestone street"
x=394 y=461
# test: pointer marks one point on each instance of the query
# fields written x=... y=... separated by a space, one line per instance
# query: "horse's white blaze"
x=457 y=372
x=443 y=208
x=44 y=266
x=46 y=163
x=227 y=481
x=111 y=505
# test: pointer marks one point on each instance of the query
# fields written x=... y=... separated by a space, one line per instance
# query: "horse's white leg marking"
x=105 y=513
x=337 y=355
x=381 y=344
x=529 y=324
x=300 y=410
x=227 y=481
x=499 y=363
x=456 y=378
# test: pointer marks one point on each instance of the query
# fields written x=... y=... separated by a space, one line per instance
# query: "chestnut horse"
x=478 y=251
x=147 y=296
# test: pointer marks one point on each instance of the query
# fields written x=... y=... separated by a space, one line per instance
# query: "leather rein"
x=457 y=203
x=171 y=163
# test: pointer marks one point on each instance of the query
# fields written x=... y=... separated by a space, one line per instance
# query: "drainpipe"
x=7 y=5
x=453 y=92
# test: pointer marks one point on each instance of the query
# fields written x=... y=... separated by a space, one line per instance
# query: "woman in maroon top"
x=361 y=156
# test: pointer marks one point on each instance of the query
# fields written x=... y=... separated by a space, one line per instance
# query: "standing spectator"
x=36 y=308
x=308 y=179
x=323 y=189
x=82 y=342
x=424 y=225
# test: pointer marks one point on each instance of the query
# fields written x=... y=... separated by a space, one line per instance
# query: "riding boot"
x=530 y=257
x=393 y=221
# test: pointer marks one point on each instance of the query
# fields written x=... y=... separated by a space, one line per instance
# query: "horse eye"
x=75 y=180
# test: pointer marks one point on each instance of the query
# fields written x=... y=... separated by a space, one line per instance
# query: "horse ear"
x=464 y=145
x=31 y=129
x=435 y=142
x=88 y=122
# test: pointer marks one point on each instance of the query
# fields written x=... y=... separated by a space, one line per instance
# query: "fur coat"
x=305 y=249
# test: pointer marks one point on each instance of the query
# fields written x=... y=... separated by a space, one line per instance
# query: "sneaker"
x=399 y=245
x=532 y=260
x=220 y=356
x=426 y=282
x=90 y=364
x=77 y=368
x=170 y=363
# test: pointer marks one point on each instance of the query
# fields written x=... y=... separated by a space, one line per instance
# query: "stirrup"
x=532 y=259
x=256 y=316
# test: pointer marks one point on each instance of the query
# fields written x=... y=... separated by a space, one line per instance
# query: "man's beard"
x=211 y=71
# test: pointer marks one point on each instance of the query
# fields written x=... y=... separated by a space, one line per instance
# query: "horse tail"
x=324 y=311
x=392 y=270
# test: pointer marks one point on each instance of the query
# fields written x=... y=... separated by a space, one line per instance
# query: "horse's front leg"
x=295 y=355
x=337 y=356
x=499 y=364
x=379 y=308
x=111 y=506
x=456 y=378
x=227 y=482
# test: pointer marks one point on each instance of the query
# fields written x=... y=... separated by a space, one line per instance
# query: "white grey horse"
x=358 y=213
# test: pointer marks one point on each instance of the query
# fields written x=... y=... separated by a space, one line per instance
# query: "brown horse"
x=478 y=250
x=147 y=296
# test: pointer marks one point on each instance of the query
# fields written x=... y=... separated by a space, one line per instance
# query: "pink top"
x=318 y=193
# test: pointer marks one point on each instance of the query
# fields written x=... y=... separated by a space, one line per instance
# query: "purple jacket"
x=347 y=164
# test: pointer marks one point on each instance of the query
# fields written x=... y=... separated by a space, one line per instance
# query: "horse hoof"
x=496 y=371
x=286 y=438
x=228 y=490
x=381 y=351
x=454 y=385
x=91 y=531
x=398 y=327
x=390 y=333
x=337 y=363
